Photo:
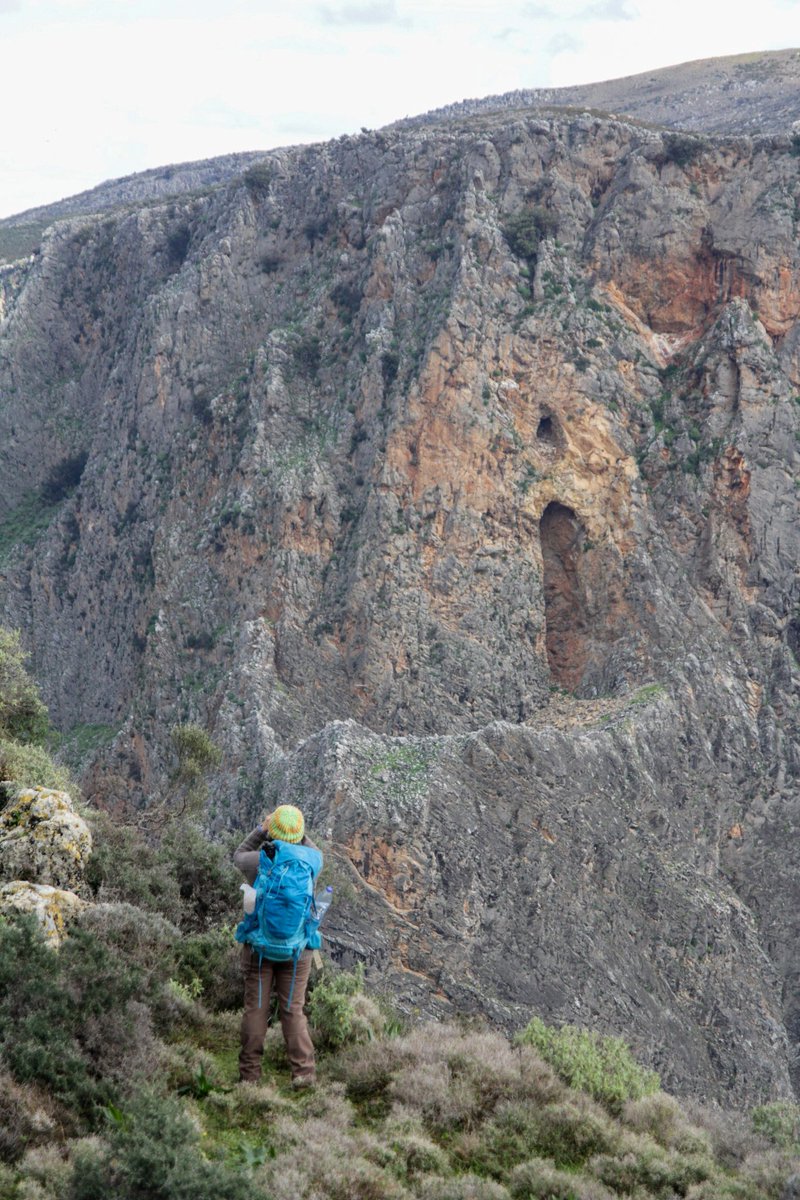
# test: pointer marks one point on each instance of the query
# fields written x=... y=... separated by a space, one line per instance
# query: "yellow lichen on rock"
x=54 y=908
x=42 y=839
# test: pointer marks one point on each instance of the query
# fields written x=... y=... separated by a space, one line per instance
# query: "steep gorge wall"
x=320 y=447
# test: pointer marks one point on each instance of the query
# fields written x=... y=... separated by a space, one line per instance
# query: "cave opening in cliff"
x=565 y=605
x=544 y=431
x=548 y=431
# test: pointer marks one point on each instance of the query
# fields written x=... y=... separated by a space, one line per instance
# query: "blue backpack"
x=284 y=921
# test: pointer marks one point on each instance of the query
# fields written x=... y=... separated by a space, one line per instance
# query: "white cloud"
x=540 y=12
x=363 y=14
x=603 y=10
x=103 y=89
x=607 y=10
x=564 y=43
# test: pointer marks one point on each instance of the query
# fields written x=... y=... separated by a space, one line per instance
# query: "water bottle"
x=248 y=898
x=323 y=903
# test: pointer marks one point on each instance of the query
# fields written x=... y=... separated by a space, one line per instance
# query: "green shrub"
x=538 y=1179
x=258 y=179
x=124 y=868
x=208 y=883
x=25 y=523
x=642 y=1164
x=24 y=723
x=661 y=1117
x=190 y=880
x=307 y=355
x=417 y=1155
x=22 y=1121
x=339 y=1011
x=683 y=148
x=569 y=1133
x=209 y=965
x=31 y=765
x=197 y=755
x=153 y=1152
x=8 y=1183
x=462 y=1187
x=73 y=1021
x=455 y=1077
x=140 y=941
x=523 y=230
x=347 y=297
x=23 y=716
x=779 y=1122
x=602 y=1066
x=729 y=1134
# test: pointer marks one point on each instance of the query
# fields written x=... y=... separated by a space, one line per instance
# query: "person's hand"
x=266 y=821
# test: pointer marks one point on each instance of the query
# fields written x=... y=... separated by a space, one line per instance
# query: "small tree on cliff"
x=24 y=723
x=197 y=755
x=23 y=716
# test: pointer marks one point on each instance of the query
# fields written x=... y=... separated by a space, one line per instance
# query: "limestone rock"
x=54 y=908
x=43 y=840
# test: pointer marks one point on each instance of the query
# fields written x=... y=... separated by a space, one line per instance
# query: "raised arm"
x=247 y=855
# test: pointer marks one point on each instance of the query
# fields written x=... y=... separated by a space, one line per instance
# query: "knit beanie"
x=287 y=824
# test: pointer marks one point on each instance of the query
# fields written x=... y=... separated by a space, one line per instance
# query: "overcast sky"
x=95 y=89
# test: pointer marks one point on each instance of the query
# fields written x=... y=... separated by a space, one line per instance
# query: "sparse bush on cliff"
x=347 y=297
x=197 y=755
x=525 y=229
x=258 y=179
x=683 y=149
x=390 y=365
x=23 y=716
x=602 y=1066
x=24 y=722
x=307 y=355
x=31 y=765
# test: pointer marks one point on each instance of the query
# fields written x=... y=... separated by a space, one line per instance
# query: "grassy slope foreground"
x=118 y=1063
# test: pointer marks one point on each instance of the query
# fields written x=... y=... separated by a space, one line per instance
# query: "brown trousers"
x=255 y=1019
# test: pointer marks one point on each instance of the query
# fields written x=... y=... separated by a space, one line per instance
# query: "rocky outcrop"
x=44 y=848
x=361 y=463
x=54 y=908
x=21 y=234
x=42 y=839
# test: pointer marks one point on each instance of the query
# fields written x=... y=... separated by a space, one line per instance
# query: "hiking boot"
x=303 y=1081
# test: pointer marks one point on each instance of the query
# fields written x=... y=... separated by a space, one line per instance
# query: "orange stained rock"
x=387 y=869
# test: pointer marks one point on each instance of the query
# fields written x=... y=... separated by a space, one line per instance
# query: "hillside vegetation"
x=118 y=1063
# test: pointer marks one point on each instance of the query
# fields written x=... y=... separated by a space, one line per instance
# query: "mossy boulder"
x=54 y=908
x=43 y=840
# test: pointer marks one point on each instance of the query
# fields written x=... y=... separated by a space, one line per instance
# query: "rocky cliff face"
x=448 y=476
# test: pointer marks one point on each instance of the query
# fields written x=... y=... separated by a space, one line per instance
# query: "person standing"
x=280 y=831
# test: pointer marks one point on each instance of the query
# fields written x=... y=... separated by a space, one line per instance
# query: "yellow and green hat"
x=287 y=824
